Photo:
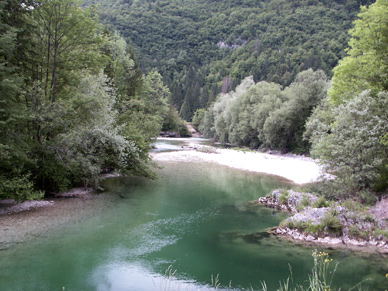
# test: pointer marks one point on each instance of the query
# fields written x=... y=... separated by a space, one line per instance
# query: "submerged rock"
x=15 y=207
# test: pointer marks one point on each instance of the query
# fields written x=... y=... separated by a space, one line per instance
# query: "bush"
x=198 y=118
x=332 y=222
x=354 y=231
x=283 y=199
x=352 y=205
x=172 y=122
x=315 y=228
x=320 y=202
x=19 y=189
x=349 y=146
x=290 y=223
x=305 y=202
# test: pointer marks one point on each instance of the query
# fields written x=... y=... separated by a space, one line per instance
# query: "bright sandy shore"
x=297 y=169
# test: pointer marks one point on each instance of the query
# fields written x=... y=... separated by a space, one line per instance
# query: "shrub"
x=354 y=231
x=305 y=202
x=315 y=228
x=383 y=232
x=352 y=205
x=332 y=222
x=283 y=199
x=294 y=224
x=369 y=218
x=320 y=202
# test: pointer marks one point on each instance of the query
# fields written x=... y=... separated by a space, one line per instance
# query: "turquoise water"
x=195 y=219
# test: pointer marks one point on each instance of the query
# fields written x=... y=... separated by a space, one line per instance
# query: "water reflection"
x=195 y=218
x=181 y=144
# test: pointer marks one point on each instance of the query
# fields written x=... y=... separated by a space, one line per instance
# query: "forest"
x=341 y=121
x=86 y=86
x=201 y=47
x=73 y=102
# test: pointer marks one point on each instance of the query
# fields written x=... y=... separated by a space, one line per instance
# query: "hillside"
x=204 y=46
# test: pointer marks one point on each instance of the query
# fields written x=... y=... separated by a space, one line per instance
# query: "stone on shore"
x=331 y=226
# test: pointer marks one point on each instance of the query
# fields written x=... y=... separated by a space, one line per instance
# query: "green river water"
x=195 y=219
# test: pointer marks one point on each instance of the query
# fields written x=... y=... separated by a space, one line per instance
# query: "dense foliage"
x=366 y=65
x=204 y=46
x=347 y=128
x=73 y=101
x=264 y=114
x=348 y=131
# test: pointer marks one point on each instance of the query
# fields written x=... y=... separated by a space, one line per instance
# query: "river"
x=194 y=220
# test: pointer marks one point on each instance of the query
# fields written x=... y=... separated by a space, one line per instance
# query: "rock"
x=310 y=238
x=323 y=239
x=335 y=241
x=74 y=193
x=26 y=206
x=373 y=242
x=309 y=215
x=315 y=216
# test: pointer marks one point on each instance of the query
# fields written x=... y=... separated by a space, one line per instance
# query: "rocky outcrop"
x=333 y=226
x=290 y=203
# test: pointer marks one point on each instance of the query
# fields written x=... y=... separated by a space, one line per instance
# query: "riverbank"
x=327 y=223
x=298 y=169
x=366 y=231
x=20 y=222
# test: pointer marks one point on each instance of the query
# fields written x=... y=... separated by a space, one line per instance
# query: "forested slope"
x=204 y=46
x=343 y=122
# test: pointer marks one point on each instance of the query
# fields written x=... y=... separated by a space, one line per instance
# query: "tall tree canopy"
x=265 y=115
x=73 y=102
x=366 y=66
x=348 y=131
x=200 y=45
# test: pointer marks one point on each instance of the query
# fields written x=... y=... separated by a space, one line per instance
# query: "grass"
x=332 y=222
x=320 y=278
x=283 y=199
x=381 y=232
x=320 y=202
x=305 y=202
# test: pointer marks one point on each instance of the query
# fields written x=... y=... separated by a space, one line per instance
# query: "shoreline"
x=297 y=169
x=296 y=227
x=22 y=221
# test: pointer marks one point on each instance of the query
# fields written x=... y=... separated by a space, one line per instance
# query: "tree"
x=95 y=143
x=58 y=118
x=352 y=149
x=348 y=131
x=122 y=68
x=15 y=175
x=366 y=66
x=64 y=48
x=284 y=128
x=66 y=41
x=192 y=96
x=141 y=118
